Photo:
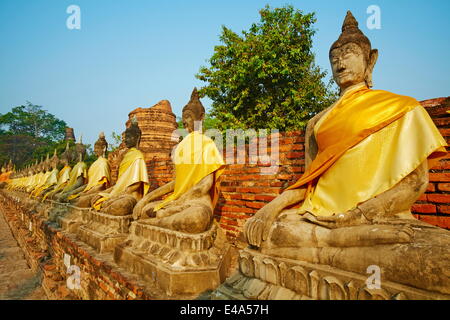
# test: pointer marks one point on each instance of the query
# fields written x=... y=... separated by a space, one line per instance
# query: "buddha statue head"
x=133 y=134
x=193 y=113
x=351 y=56
x=54 y=161
x=101 y=145
x=80 y=150
x=66 y=156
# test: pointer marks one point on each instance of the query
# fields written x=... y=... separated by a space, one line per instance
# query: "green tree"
x=27 y=133
x=266 y=77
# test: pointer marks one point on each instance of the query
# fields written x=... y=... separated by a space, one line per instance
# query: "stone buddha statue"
x=44 y=172
x=367 y=161
x=36 y=177
x=132 y=182
x=63 y=175
x=99 y=177
x=194 y=192
x=77 y=176
x=50 y=177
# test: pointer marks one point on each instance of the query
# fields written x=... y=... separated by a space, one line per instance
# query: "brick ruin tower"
x=70 y=135
x=157 y=124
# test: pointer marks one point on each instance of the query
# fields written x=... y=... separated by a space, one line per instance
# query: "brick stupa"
x=157 y=124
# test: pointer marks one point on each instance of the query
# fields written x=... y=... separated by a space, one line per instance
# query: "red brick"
x=440 y=177
x=431 y=187
x=249 y=197
x=445 y=132
x=256 y=205
x=444 y=187
x=224 y=226
x=438 y=198
x=423 y=197
x=439 y=221
x=295 y=155
x=444 y=209
x=266 y=198
x=237 y=209
x=423 y=208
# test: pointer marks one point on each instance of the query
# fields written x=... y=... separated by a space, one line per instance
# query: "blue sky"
x=134 y=53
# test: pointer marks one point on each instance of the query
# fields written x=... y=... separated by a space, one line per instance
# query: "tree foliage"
x=266 y=77
x=27 y=133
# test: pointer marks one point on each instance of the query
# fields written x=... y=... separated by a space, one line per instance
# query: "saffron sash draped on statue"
x=195 y=157
x=359 y=116
x=98 y=173
x=63 y=178
x=80 y=169
x=132 y=170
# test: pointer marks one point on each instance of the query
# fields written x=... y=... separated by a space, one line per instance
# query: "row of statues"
x=367 y=162
x=194 y=191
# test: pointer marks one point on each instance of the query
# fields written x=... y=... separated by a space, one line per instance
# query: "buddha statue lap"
x=367 y=161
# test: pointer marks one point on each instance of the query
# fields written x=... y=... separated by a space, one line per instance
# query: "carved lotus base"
x=180 y=263
x=103 y=231
x=264 y=277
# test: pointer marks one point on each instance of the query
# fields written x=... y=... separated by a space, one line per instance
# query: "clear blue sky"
x=131 y=54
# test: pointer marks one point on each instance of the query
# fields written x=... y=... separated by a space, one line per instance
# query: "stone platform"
x=181 y=263
x=103 y=231
x=263 y=277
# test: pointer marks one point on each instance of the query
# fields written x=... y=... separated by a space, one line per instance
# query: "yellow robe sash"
x=368 y=142
x=132 y=170
x=195 y=157
x=35 y=181
x=98 y=173
x=40 y=184
x=63 y=178
x=80 y=169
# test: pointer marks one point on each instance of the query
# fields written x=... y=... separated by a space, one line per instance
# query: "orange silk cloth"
x=355 y=116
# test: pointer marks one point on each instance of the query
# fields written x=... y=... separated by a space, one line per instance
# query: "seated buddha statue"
x=77 y=176
x=99 y=177
x=63 y=175
x=36 y=177
x=367 y=161
x=132 y=182
x=43 y=174
x=50 y=177
x=198 y=165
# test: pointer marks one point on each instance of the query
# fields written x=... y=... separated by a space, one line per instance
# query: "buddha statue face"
x=191 y=121
x=349 y=65
x=133 y=134
x=351 y=56
x=193 y=113
x=100 y=145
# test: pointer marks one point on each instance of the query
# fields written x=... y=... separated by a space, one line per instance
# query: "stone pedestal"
x=180 y=263
x=103 y=231
x=263 y=277
x=71 y=221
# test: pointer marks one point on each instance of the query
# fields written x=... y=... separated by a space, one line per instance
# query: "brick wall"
x=246 y=188
x=434 y=206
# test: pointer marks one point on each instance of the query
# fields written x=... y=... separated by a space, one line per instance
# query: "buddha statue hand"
x=350 y=218
x=256 y=229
